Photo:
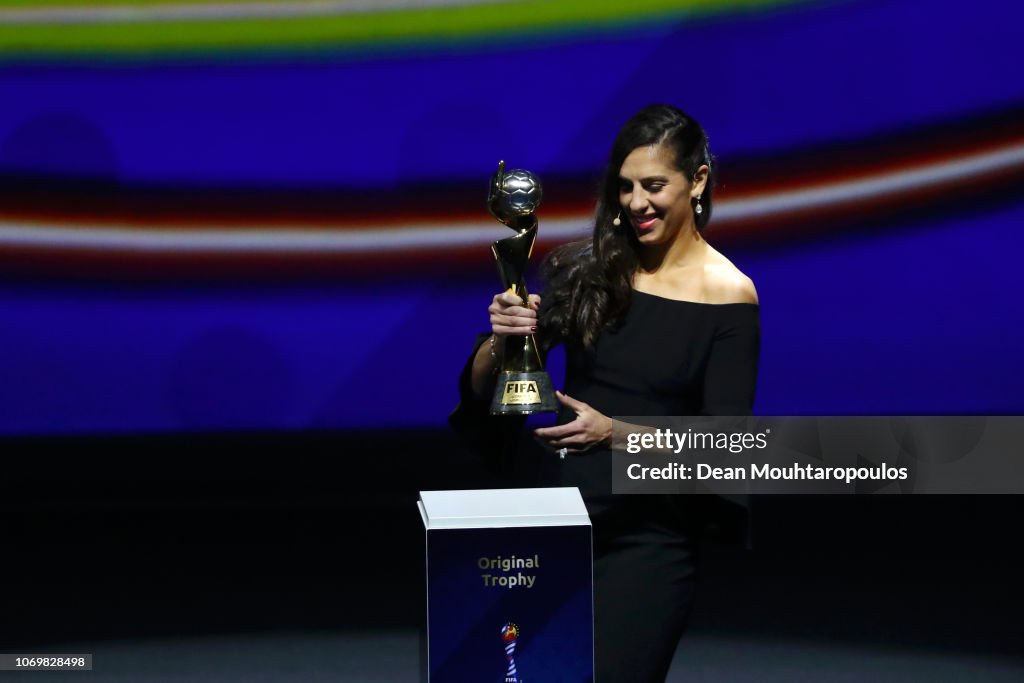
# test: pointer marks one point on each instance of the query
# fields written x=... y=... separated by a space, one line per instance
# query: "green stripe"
x=383 y=29
x=40 y=4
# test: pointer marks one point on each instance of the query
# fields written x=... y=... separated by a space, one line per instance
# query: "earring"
x=618 y=220
x=699 y=209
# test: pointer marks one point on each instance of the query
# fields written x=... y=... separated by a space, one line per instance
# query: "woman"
x=655 y=322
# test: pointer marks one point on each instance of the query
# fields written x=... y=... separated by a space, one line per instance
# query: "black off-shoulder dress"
x=667 y=357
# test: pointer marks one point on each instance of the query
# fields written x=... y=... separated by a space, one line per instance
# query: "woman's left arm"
x=730 y=378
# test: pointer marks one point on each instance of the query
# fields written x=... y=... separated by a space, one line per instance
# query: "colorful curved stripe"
x=804 y=207
x=164 y=27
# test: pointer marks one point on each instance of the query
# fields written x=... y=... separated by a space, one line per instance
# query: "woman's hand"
x=589 y=429
x=509 y=316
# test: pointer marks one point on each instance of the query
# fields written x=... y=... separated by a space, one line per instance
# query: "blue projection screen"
x=224 y=221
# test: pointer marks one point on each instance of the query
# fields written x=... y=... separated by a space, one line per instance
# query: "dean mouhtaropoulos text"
x=765 y=472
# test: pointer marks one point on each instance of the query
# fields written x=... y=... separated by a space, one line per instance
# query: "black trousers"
x=644 y=586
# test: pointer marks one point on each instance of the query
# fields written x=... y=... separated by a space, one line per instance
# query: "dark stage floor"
x=391 y=656
x=211 y=564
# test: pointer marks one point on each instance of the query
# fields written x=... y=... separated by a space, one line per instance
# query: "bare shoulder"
x=724 y=283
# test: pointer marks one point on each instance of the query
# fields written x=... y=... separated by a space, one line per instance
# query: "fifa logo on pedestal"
x=518 y=393
x=510 y=635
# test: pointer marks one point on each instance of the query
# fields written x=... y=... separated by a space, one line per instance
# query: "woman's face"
x=655 y=195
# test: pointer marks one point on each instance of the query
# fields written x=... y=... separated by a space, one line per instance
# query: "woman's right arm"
x=508 y=316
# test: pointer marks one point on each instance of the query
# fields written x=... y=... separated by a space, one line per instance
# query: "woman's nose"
x=638 y=202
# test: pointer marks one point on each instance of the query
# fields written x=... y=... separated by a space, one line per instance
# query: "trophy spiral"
x=510 y=634
x=523 y=386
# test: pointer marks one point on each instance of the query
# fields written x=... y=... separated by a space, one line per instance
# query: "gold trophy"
x=523 y=386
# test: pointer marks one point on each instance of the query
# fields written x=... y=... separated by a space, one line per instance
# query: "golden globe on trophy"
x=523 y=386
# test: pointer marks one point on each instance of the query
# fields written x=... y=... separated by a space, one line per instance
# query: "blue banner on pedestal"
x=510 y=604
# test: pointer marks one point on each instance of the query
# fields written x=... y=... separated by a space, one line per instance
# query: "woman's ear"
x=700 y=181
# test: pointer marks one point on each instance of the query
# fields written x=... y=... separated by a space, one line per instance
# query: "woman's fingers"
x=570 y=402
x=513 y=316
x=507 y=325
x=507 y=298
x=575 y=443
x=558 y=431
x=589 y=429
x=569 y=436
x=511 y=304
x=509 y=316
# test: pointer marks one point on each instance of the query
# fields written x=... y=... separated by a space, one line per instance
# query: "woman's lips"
x=644 y=222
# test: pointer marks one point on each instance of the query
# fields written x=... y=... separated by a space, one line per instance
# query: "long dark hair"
x=590 y=282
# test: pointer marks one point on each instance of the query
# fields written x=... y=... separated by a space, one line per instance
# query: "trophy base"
x=524 y=393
